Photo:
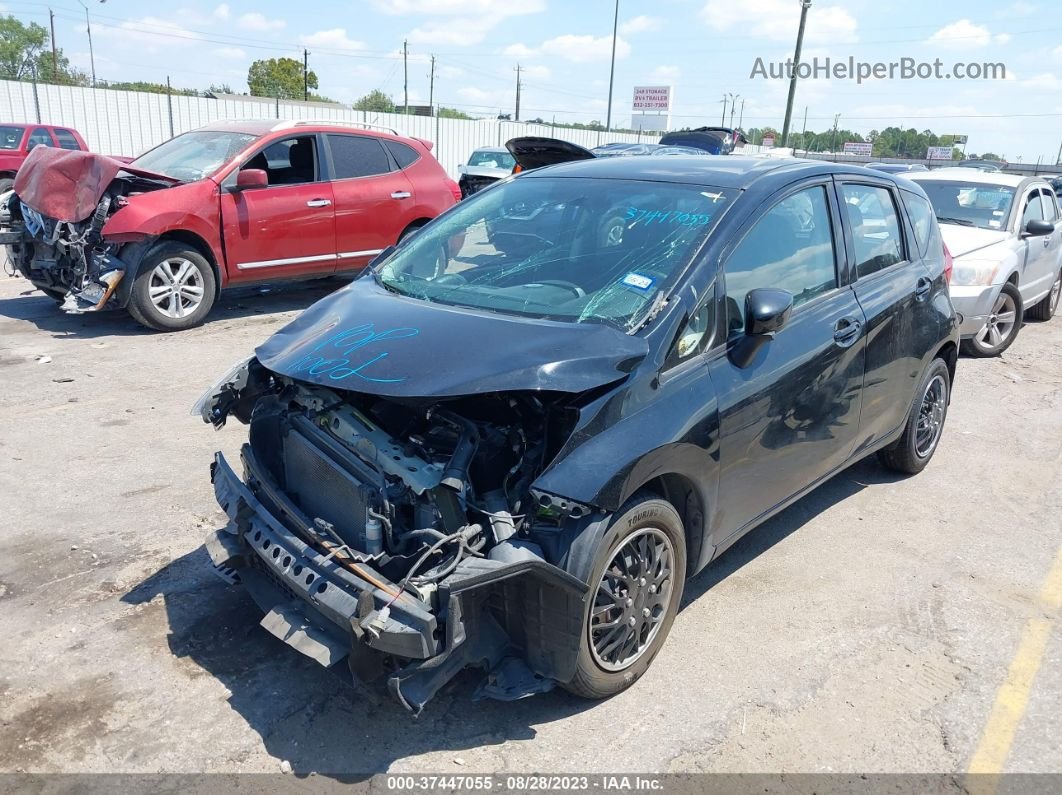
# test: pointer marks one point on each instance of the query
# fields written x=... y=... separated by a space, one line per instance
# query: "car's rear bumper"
x=488 y=611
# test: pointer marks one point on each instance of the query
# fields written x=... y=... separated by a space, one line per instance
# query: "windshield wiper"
x=959 y=221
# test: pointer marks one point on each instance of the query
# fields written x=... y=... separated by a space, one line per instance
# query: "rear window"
x=11 y=136
x=357 y=156
x=875 y=228
x=403 y=155
x=66 y=139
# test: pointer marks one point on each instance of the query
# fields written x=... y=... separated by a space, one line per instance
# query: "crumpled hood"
x=964 y=240
x=66 y=184
x=366 y=339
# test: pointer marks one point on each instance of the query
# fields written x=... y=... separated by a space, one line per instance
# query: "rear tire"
x=636 y=576
x=174 y=288
x=998 y=334
x=1045 y=309
x=6 y=184
x=912 y=452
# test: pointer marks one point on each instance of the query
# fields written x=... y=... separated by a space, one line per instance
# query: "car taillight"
x=949 y=264
x=455 y=189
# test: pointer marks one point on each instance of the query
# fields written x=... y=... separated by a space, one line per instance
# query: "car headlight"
x=974 y=273
x=233 y=381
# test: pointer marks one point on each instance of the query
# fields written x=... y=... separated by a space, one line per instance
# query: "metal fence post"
x=169 y=104
x=36 y=98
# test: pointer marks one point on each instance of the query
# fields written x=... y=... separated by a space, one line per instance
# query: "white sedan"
x=1001 y=232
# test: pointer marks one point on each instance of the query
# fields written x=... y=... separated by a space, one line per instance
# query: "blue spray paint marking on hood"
x=366 y=339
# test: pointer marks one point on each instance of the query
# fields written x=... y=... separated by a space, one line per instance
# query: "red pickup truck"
x=16 y=141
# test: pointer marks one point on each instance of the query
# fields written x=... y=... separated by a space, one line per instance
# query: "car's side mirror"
x=250 y=178
x=767 y=310
x=1038 y=228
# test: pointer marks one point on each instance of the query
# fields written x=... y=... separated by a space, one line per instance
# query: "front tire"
x=174 y=288
x=912 y=452
x=636 y=580
x=1045 y=309
x=1001 y=328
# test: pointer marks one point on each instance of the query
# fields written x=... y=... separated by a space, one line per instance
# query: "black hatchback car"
x=512 y=456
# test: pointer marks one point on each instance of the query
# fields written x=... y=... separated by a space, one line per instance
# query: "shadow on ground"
x=241 y=302
x=317 y=721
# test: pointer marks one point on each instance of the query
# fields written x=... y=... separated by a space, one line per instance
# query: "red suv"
x=229 y=204
x=16 y=141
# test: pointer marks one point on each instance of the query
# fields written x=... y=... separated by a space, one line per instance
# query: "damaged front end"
x=53 y=225
x=402 y=535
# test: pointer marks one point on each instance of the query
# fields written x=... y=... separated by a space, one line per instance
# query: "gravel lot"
x=866 y=629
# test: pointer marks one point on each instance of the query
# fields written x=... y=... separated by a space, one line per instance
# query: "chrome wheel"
x=614 y=233
x=632 y=599
x=1000 y=323
x=176 y=287
x=1056 y=291
x=931 y=416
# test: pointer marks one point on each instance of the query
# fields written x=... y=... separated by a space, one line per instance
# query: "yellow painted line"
x=1013 y=696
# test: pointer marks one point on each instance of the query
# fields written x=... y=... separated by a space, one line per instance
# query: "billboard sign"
x=939 y=153
x=768 y=141
x=652 y=98
x=858 y=148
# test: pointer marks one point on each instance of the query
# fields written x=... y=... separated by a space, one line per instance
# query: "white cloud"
x=1046 y=80
x=222 y=12
x=520 y=51
x=962 y=34
x=230 y=53
x=260 y=23
x=1001 y=38
x=582 y=49
x=456 y=7
x=778 y=20
x=332 y=39
x=640 y=24
x=665 y=74
x=537 y=72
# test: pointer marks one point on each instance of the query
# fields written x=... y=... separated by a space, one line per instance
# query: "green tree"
x=279 y=77
x=25 y=52
x=453 y=113
x=375 y=101
x=150 y=88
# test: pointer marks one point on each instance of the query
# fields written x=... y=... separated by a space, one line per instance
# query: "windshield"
x=492 y=160
x=11 y=136
x=969 y=203
x=577 y=250
x=194 y=155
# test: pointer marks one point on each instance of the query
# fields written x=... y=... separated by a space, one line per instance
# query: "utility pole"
x=305 y=75
x=804 y=131
x=405 y=75
x=1057 y=159
x=516 y=117
x=722 y=121
x=55 y=57
x=741 y=116
x=833 y=140
x=92 y=55
x=431 y=84
x=612 y=69
x=733 y=106
x=804 y=6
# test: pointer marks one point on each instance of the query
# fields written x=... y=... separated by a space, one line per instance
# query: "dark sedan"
x=512 y=457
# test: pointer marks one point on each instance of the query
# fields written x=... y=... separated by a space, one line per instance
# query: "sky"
x=704 y=49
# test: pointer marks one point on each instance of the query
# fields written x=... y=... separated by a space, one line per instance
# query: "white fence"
x=131 y=122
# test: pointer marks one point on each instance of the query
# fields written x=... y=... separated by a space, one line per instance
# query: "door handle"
x=922 y=288
x=319 y=203
x=847 y=331
x=401 y=194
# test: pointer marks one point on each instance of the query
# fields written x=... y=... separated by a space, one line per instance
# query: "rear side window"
x=1050 y=207
x=66 y=139
x=922 y=216
x=11 y=136
x=39 y=137
x=789 y=248
x=875 y=228
x=357 y=156
x=403 y=155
